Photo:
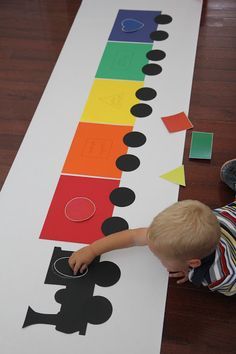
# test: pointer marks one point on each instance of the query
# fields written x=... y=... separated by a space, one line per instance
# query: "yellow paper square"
x=110 y=101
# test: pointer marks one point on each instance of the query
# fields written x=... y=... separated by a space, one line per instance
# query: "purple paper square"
x=134 y=26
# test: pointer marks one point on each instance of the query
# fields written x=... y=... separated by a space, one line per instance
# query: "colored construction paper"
x=176 y=176
x=58 y=227
x=201 y=145
x=95 y=148
x=134 y=26
x=123 y=61
x=110 y=101
x=177 y=122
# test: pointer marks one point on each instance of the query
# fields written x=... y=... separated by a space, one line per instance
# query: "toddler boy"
x=192 y=242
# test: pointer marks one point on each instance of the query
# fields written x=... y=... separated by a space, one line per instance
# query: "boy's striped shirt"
x=218 y=270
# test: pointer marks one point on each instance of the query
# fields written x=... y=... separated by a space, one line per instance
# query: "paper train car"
x=89 y=185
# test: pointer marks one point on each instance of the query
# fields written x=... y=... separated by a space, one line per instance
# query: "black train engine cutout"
x=78 y=305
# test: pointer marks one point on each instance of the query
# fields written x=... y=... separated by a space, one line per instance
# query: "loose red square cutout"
x=57 y=225
x=177 y=122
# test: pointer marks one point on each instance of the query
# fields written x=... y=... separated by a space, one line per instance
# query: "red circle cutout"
x=79 y=209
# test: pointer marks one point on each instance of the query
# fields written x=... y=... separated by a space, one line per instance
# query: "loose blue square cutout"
x=134 y=26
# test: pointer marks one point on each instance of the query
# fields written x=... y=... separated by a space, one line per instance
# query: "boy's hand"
x=183 y=274
x=80 y=259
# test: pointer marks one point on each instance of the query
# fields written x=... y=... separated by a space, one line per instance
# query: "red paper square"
x=177 y=122
x=59 y=228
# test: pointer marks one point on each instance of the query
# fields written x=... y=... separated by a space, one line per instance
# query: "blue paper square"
x=134 y=26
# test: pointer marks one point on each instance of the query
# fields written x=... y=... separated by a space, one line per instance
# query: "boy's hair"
x=185 y=230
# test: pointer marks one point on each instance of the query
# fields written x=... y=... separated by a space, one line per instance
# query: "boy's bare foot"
x=228 y=174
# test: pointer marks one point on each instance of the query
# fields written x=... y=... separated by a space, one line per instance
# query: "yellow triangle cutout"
x=176 y=176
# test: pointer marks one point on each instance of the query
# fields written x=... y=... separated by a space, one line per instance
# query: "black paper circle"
x=105 y=273
x=134 y=139
x=114 y=224
x=156 y=55
x=141 y=110
x=97 y=309
x=163 y=19
x=146 y=93
x=127 y=162
x=152 y=69
x=159 y=35
x=122 y=196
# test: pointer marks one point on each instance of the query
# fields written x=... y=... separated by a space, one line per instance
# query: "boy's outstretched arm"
x=80 y=259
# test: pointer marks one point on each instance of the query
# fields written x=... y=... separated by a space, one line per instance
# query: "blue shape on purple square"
x=134 y=26
x=131 y=25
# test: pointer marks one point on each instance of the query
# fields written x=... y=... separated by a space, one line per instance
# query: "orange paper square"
x=95 y=149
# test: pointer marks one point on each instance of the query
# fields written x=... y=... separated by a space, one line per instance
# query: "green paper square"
x=123 y=61
x=201 y=145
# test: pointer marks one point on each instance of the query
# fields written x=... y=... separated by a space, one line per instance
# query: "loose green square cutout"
x=201 y=145
x=123 y=61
